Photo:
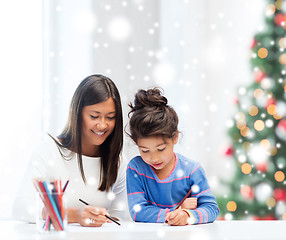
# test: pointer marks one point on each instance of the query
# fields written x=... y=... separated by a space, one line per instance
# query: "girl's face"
x=98 y=122
x=158 y=152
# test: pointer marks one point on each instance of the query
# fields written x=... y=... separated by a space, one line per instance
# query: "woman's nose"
x=102 y=124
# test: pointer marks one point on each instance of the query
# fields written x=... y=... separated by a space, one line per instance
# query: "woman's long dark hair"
x=92 y=90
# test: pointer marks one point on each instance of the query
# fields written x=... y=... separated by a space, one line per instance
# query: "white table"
x=223 y=230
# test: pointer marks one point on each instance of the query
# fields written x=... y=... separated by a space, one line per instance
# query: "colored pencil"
x=53 y=202
x=48 y=205
x=111 y=219
x=64 y=189
x=180 y=203
x=54 y=206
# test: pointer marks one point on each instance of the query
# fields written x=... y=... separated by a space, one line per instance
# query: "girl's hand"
x=89 y=216
x=177 y=218
x=190 y=203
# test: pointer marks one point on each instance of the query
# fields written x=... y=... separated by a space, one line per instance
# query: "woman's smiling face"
x=98 y=122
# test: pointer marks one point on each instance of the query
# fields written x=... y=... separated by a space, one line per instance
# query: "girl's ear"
x=175 y=138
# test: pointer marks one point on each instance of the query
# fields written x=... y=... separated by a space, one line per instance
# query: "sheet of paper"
x=127 y=227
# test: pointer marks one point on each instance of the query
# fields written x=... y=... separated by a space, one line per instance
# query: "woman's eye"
x=93 y=117
x=111 y=118
x=161 y=149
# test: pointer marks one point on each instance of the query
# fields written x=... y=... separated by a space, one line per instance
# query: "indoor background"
x=197 y=51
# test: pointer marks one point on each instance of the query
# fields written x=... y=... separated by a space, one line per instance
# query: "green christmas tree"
x=258 y=135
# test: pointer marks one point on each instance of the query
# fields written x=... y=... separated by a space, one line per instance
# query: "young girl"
x=87 y=153
x=159 y=179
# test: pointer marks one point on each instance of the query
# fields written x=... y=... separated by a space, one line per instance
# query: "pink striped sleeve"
x=134 y=193
x=206 y=214
x=200 y=215
x=159 y=215
x=201 y=192
x=195 y=169
x=135 y=216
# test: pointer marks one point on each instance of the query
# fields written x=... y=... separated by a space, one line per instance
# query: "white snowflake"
x=263 y=191
x=110 y=196
x=119 y=28
x=137 y=208
x=269 y=123
x=164 y=74
x=179 y=173
x=85 y=22
x=228 y=216
x=242 y=158
x=258 y=154
x=281 y=108
x=195 y=188
x=213 y=107
x=91 y=181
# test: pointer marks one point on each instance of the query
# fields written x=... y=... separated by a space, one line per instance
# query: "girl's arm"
x=207 y=209
x=190 y=203
x=142 y=210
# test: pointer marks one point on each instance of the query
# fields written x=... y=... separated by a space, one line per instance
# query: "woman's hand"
x=89 y=216
x=177 y=218
x=190 y=203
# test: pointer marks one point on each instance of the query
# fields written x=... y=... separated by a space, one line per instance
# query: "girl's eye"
x=144 y=151
x=161 y=149
x=93 y=117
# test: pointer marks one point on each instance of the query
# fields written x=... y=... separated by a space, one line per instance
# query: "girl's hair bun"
x=151 y=116
x=150 y=98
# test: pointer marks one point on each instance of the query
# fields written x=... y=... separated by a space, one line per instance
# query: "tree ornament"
x=262 y=167
x=270 y=101
x=228 y=151
x=259 y=75
x=279 y=194
x=253 y=43
x=235 y=100
x=246 y=192
x=231 y=206
x=281 y=129
x=280 y=19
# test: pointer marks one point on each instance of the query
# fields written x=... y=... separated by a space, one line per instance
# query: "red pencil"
x=47 y=204
x=180 y=203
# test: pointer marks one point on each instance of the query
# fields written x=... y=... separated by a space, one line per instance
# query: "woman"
x=88 y=154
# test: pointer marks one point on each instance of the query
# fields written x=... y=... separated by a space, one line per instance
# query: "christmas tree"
x=258 y=135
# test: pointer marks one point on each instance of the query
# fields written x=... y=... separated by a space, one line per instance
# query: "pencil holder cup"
x=51 y=214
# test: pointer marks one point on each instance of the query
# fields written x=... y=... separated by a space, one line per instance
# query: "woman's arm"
x=119 y=206
x=89 y=216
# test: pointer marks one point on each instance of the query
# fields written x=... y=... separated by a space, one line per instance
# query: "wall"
x=198 y=51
